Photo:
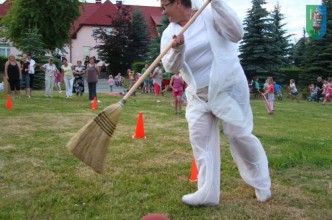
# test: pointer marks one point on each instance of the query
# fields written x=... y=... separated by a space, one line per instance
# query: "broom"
x=266 y=103
x=90 y=143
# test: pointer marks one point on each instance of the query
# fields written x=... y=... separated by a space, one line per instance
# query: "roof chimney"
x=98 y=1
x=119 y=2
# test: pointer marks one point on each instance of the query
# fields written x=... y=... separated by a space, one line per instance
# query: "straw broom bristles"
x=90 y=143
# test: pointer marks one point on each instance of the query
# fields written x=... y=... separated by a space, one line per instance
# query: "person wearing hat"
x=50 y=70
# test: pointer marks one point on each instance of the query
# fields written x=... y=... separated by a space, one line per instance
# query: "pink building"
x=93 y=16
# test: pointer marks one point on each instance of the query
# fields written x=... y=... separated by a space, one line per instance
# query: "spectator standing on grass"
x=320 y=89
x=270 y=94
x=78 y=86
x=31 y=71
x=50 y=70
x=177 y=83
x=68 y=77
x=206 y=56
x=293 y=90
x=156 y=76
x=118 y=80
x=13 y=74
x=110 y=82
x=92 y=78
x=26 y=76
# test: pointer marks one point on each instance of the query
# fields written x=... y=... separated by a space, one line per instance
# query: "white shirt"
x=32 y=66
x=50 y=69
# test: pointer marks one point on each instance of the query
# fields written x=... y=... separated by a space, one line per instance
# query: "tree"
x=281 y=38
x=52 y=19
x=318 y=53
x=299 y=49
x=154 y=48
x=139 y=36
x=115 y=45
x=257 y=50
x=32 y=43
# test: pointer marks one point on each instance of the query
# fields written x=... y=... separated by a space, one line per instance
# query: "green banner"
x=316 y=21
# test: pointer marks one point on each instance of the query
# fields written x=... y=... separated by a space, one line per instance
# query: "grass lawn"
x=40 y=179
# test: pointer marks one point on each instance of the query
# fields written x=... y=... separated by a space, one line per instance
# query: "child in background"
x=312 y=92
x=293 y=90
x=58 y=81
x=277 y=90
x=111 y=82
x=176 y=84
x=270 y=93
x=328 y=90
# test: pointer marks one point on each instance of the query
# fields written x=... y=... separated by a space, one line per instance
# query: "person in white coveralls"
x=206 y=56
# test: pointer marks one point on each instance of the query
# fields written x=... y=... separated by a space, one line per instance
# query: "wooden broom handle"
x=162 y=54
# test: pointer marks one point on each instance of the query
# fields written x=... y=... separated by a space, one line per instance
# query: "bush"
x=137 y=66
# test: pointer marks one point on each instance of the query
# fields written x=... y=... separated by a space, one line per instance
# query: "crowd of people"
x=321 y=91
x=72 y=76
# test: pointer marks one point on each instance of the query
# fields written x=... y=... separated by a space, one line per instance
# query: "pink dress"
x=58 y=77
x=177 y=86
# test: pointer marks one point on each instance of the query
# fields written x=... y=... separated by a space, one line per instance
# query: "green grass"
x=40 y=179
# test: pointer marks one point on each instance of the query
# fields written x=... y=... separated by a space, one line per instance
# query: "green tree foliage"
x=139 y=36
x=258 y=49
x=154 y=48
x=281 y=38
x=299 y=49
x=52 y=19
x=32 y=43
x=115 y=45
x=318 y=53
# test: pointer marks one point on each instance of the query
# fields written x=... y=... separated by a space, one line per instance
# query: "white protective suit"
x=227 y=99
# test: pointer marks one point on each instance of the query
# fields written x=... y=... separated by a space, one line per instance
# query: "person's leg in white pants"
x=52 y=79
x=67 y=86
x=246 y=149
x=47 y=85
x=250 y=158
x=205 y=141
x=71 y=83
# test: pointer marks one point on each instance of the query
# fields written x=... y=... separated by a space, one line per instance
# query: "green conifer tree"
x=257 y=49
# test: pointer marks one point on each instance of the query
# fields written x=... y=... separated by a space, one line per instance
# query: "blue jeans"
x=26 y=80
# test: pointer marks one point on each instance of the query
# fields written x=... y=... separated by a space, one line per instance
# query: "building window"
x=108 y=31
x=4 y=50
x=95 y=31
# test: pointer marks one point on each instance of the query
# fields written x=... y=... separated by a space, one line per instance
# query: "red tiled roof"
x=152 y=16
x=101 y=16
x=4 y=8
x=86 y=10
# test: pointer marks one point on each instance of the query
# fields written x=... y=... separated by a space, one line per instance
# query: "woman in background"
x=92 y=71
x=13 y=74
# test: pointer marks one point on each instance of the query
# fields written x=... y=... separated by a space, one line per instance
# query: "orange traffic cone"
x=94 y=104
x=194 y=172
x=139 y=133
x=9 y=105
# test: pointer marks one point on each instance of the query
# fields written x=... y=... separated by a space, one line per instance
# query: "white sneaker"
x=263 y=195
x=198 y=199
x=98 y=101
